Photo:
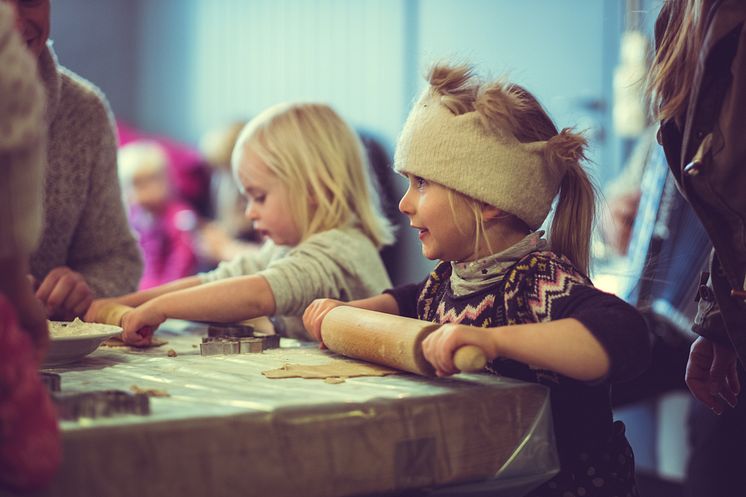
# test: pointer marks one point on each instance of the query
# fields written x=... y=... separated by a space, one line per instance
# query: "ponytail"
x=572 y=224
x=574 y=216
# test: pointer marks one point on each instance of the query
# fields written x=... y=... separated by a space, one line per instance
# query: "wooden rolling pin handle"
x=111 y=314
x=469 y=359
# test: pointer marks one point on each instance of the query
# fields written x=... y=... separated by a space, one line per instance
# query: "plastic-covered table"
x=226 y=430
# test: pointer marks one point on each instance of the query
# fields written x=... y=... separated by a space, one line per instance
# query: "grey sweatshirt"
x=340 y=264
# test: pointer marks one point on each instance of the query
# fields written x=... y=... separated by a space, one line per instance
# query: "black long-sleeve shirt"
x=544 y=287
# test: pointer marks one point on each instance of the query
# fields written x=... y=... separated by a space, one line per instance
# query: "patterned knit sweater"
x=542 y=287
x=85 y=224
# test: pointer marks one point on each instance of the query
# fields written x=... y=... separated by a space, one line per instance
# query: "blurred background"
x=180 y=70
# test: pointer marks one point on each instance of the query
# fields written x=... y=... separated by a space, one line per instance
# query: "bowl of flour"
x=71 y=341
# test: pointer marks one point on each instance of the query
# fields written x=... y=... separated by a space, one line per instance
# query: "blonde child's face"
x=150 y=190
x=429 y=210
x=268 y=200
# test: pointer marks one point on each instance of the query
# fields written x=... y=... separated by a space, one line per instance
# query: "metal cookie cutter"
x=236 y=338
x=230 y=330
x=218 y=346
x=230 y=345
x=52 y=381
x=101 y=404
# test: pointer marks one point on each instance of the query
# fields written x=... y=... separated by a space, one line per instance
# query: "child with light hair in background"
x=163 y=223
x=230 y=233
x=304 y=174
x=484 y=164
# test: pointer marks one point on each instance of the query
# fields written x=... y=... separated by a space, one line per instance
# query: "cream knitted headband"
x=490 y=165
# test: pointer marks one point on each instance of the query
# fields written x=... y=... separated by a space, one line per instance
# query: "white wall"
x=189 y=65
x=557 y=50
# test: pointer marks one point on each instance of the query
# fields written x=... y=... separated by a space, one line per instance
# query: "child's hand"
x=315 y=314
x=139 y=324
x=441 y=345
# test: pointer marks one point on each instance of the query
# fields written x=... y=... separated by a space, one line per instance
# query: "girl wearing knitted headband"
x=484 y=164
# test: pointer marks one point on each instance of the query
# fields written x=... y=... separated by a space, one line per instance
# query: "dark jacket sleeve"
x=406 y=298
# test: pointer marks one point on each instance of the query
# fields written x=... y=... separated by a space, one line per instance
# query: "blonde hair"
x=217 y=144
x=318 y=157
x=669 y=81
x=137 y=157
x=474 y=206
x=505 y=107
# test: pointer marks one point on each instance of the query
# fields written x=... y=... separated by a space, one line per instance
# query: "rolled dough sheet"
x=335 y=369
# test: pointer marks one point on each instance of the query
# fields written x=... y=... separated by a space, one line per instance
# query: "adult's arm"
x=103 y=248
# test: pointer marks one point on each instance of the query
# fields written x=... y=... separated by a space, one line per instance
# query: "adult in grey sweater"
x=86 y=248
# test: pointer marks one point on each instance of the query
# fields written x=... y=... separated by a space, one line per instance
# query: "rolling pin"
x=112 y=313
x=391 y=340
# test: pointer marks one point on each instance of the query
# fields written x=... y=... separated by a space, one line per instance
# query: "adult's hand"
x=712 y=375
x=65 y=293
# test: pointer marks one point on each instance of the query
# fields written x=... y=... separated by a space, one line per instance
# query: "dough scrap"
x=337 y=369
x=150 y=392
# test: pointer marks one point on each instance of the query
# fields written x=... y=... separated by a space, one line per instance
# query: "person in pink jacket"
x=163 y=223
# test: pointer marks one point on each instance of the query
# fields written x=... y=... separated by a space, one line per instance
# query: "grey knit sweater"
x=85 y=225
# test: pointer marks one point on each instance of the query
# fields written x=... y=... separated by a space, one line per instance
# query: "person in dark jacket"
x=697 y=86
x=698 y=90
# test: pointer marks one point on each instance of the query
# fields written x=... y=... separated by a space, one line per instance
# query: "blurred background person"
x=698 y=93
x=229 y=232
x=29 y=436
x=163 y=223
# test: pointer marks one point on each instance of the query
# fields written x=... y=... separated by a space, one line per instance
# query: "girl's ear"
x=490 y=213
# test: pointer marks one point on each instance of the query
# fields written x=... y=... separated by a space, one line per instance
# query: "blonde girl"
x=484 y=164
x=303 y=172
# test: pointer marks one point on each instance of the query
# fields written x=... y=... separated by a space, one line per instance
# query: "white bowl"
x=67 y=349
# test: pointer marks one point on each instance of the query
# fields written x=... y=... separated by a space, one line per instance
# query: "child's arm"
x=319 y=308
x=135 y=299
x=565 y=346
x=227 y=300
